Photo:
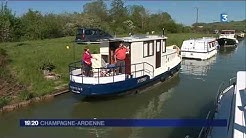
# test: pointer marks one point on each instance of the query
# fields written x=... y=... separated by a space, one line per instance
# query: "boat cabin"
x=201 y=48
x=227 y=34
x=143 y=49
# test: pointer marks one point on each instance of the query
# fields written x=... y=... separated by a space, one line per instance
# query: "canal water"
x=189 y=94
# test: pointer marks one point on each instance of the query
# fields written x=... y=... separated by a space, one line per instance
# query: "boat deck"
x=232 y=107
x=240 y=104
x=103 y=75
x=96 y=80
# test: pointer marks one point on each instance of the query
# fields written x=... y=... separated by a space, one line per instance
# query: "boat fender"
x=163 y=79
x=171 y=73
x=177 y=49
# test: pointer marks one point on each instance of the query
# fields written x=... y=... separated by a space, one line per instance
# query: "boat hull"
x=198 y=55
x=118 y=88
x=227 y=42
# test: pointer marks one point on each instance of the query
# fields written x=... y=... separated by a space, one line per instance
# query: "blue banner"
x=122 y=122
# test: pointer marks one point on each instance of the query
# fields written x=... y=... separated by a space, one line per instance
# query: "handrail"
x=143 y=63
x=73 y=66
x=231 y=79
x=219 y=92
x=203 y=128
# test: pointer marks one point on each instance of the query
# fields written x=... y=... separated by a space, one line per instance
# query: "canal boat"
x=230 y=105
x=227 y=38
x=241 y=36
x=148 y=61
x=201 y=48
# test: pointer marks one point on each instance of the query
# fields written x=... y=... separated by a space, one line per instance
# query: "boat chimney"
x=163 y=32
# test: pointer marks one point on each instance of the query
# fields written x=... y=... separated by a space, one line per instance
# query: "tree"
x=9 y=25
x=96 y=8
x=32 y=22
x=51 y=26
x=118 y=14
x=139 y=15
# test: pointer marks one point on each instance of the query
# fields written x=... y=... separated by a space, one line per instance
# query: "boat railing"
x=206 y=130
x=142 y=68
x=232 y=81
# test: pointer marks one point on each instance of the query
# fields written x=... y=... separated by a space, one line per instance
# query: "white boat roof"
x=226 y=30
x=240 y=116
x=138 y=38
x=204 y=39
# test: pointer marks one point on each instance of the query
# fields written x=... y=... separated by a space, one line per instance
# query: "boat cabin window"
x=148 y=48
x=163 y=46
x=228 y=32
x=158 y=43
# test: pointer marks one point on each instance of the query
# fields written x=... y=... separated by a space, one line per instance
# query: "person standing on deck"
x=86 y=61
x=120 y=56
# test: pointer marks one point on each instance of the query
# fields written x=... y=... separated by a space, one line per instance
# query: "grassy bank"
x=27 y=58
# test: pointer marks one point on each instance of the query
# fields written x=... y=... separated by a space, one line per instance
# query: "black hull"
x=225 y=42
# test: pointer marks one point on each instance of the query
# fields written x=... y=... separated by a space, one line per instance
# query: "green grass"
x=4 y=101
x=26 y=59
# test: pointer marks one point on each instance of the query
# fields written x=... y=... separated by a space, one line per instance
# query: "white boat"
x=148 y=61
x=201 y=48
x=231 y=105
x=227 y=38
x=241 y=36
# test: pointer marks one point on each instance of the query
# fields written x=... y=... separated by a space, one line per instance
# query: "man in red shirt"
x=120 y=56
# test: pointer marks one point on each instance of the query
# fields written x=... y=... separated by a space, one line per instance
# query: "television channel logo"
x=223 y=17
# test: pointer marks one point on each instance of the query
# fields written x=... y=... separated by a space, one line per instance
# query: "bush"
x=25 y=95
x=4 y=101
x=47 y=66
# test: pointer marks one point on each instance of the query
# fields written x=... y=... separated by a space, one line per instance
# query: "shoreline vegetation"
x=22 y=77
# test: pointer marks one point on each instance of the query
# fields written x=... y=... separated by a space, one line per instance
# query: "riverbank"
x=25 y=62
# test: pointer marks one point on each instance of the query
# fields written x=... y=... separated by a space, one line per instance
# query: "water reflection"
x=197 y=67
x=227 y=51
x=148 y=104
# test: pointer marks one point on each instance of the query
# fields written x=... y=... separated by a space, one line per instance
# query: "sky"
x=181 y=11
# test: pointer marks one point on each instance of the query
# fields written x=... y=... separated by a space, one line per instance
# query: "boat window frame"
x=149 y=52
x=159 y=41
x=163 y=44
x=145 y=49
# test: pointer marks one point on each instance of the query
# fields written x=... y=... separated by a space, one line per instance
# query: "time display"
x=31 y=123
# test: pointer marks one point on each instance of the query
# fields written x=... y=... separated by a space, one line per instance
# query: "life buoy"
x=177 y=49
